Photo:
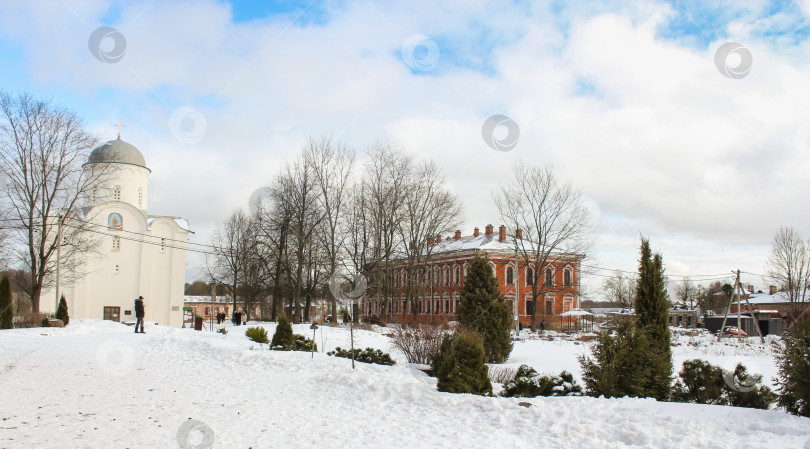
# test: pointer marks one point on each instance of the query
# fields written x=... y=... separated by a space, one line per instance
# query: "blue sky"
x=616 y=95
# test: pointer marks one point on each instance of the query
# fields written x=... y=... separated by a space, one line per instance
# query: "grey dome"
x=117 y=151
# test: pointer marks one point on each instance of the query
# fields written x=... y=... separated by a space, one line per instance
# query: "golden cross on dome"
x=120 y=125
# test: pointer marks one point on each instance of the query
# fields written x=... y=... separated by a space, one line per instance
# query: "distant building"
x=441 y=278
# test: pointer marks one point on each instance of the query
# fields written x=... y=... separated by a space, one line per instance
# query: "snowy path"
x=98 y=385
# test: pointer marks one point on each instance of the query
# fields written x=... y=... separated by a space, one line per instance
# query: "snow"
x=96 y=384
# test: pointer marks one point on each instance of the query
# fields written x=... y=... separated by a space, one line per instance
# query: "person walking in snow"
x=542 y=326
x=139 y=313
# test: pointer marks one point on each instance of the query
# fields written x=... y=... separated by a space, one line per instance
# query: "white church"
x=139 y=254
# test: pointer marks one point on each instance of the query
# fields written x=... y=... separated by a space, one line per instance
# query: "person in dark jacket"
x=139 y=314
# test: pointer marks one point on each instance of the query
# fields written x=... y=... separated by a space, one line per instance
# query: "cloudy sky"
x=701 y=146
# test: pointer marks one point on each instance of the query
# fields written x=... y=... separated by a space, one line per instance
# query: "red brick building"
x=441 y=277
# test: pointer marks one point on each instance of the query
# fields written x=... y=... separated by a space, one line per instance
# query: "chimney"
x=771 y=289
x=430 y=241
x=458 y=235
x=488 y=230
x=438 y=238
x=502 y=233
x=519 y=233
x=475 y=232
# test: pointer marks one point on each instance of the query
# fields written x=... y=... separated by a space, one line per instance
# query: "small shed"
x=581 y=320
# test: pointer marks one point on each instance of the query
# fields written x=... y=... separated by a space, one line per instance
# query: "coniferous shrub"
x=62 y=311
x=462 y=367
x=528 y=384
x=703 y=383
x=483 y=310
x=621 y=363
x=760 y=396
x=257 y=334
x=45 y=322
x=368 y=355
x=6 y=312
x=283 y=337
x=793 y=377
x=699 y=382
x=302 y=343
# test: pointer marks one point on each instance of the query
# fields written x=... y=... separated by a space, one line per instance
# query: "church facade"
x=138 y=254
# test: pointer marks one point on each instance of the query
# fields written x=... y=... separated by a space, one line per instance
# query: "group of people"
x=221 y=317
x=237 y=319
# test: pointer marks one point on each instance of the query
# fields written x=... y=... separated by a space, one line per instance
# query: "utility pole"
x=58 y=260
x=738 y=294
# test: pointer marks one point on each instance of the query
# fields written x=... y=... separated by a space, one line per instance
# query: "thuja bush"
x=460 y=365
x=528 y=384
x=368 y=355
x=257 y=334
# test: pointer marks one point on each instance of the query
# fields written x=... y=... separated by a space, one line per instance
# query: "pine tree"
x=482 y=310
x=652 y=317
x=62 y=311
x=283 y=338
x=6 y=313
x=463 y=368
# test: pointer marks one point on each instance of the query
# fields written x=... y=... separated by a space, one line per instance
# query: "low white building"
x=140 y=254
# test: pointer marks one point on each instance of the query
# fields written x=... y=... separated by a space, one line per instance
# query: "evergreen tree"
x=621 y=363
x=483 y=310
x=62 y=311
x=652 y=317
x=793 y=378
x=463 y=368
x=283 y=337
x=6 y=313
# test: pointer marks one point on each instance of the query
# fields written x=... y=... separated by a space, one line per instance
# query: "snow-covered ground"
x=96 y=384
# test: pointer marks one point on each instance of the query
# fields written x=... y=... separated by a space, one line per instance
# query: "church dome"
x=117 y=151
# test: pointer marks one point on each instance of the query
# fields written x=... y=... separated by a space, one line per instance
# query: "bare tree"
x=554 y=218
x=42 y=150
x=429 y=210
x=686 y=293
x=620 y=289
x=385 y=186
x=306 y=217
x=788 y=266
x=332 y=164
x=232 y=241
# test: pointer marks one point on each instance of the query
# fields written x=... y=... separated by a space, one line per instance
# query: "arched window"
x=117 y=193
x=457 y=275
x=446 y=276
x=549 y=277
x=510 y=276
x=567 y=277
x=529 y=276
